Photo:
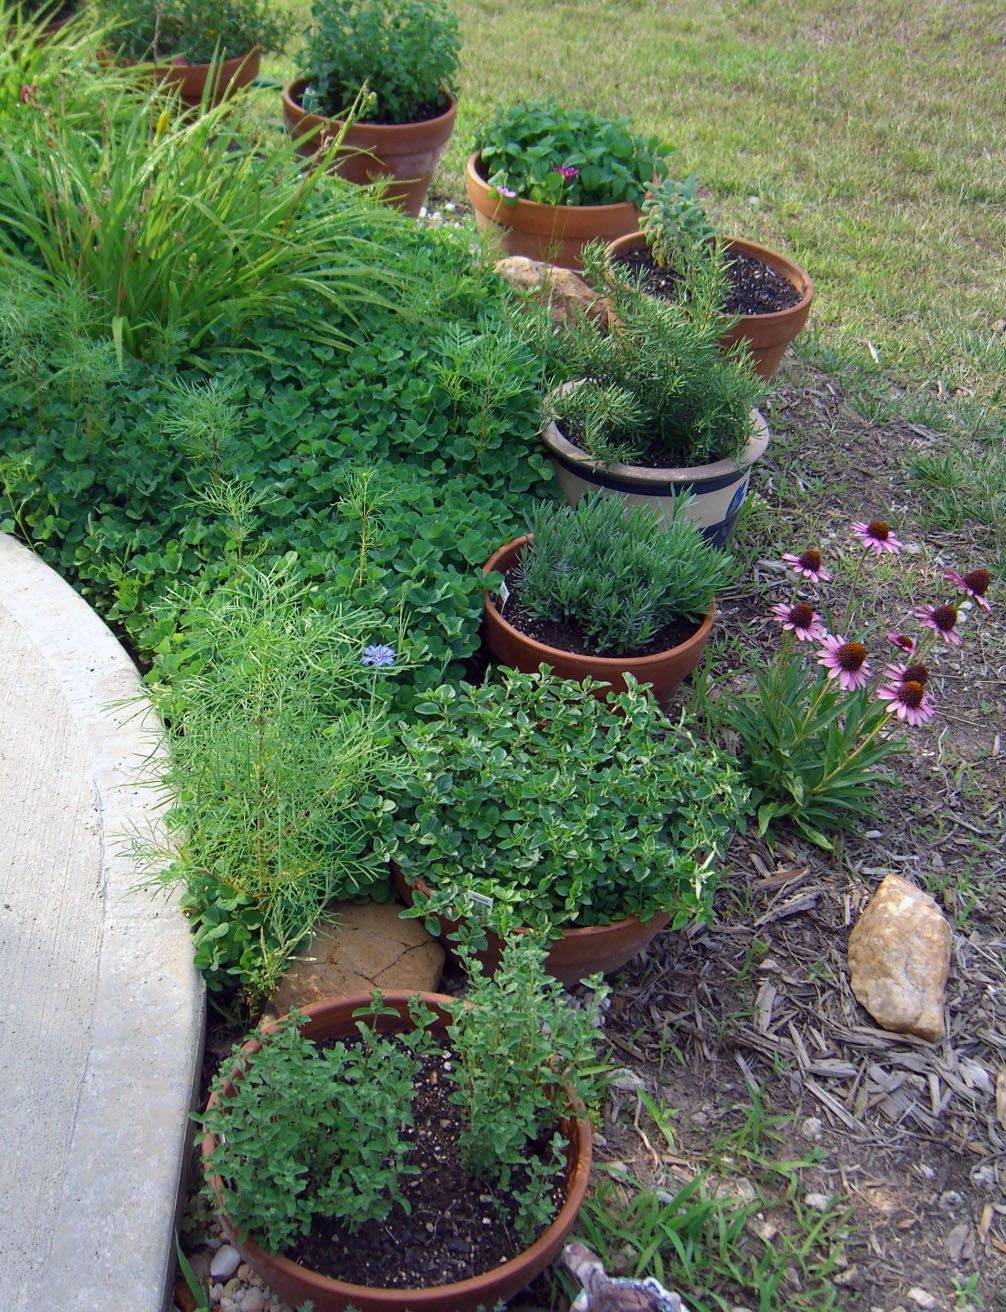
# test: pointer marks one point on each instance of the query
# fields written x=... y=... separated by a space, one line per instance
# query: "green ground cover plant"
x=199 y=30
x=504 y=781
x=405 y=52
x=663 y=572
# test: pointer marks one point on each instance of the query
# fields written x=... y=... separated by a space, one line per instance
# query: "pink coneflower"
x=845 y=661
x=800 y=619
x=915 y=673
x=942 y=620
x=568 y=171
x=878 y=537
x=903 y=641
x=908 y=700
x=809 y=565
x=975 y=584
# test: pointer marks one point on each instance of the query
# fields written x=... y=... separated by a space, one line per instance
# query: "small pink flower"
x=878 y=537
x=975 y=584
x=845 y=661
x=942 y=620
x=505 y=193
x=903 y=641
x=568 y=171
x=908 y=700
x=809 y=565
x=801 y=620
x=27 y=95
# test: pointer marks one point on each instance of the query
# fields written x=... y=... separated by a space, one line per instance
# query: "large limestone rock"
x=365 y=945
x=899 y=959
x=561 y=290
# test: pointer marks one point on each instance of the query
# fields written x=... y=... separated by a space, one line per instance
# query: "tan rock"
x=899 y=959
x=561 y=290
x=364 y=945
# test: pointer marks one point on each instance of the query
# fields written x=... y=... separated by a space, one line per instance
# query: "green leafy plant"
x=276 y=757
x=537 y=150
x=190 y=232
x=405 y=52
x=674 y=221
x=506 y=782
x=659 y=391
x=198 y=30
x=305 y=1132
x=664 y=572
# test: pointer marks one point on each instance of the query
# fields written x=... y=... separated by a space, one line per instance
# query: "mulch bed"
x=567 y=635
x=754 y=288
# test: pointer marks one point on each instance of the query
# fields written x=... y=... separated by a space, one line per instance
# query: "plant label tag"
x=504 y=596
x=480 y=900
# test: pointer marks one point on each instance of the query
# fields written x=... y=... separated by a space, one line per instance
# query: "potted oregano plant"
x=655 y=408
x=532 y=803
x=335 y=1136
x=597 y=591
x=402 y=55
x=185 y=43
x=551 y=179
x=767 y=295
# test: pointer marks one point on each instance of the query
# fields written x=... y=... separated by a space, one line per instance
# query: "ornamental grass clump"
x=619 y=574
x=657 y=390
x=405 y=52
x=537 y=150
x=819 y=720
x=548 y=807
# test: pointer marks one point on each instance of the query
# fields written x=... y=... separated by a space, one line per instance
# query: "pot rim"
x=532 y=207
x=644 y=475
x=579 y=1138
x=611 y=664
x=296 y=87
x=773 y=259
x=183 y=66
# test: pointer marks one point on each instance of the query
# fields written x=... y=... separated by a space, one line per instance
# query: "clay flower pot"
x=297 y=1284
x=190 y=79
x=717 y=490
x=766 y=335
x=406 y=152
x=573 y=956
x=553 y=233
x=663 y=670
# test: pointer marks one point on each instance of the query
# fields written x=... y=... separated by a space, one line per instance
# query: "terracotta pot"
x=406 y=152
x=297 y=1284
x=573 y=956
x=190 y=79
x=555 y=233
x=663 y=671
x=766 y=335
x=717 y=490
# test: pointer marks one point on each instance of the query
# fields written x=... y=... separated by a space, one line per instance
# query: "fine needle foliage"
x=276 y=754
x=620 y=574
x=181 y=227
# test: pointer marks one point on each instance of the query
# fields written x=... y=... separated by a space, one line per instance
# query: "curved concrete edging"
x=102 y=1014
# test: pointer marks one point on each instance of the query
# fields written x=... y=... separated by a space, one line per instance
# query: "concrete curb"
x=111 y=1232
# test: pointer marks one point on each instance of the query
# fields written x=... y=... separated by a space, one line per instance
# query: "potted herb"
x=553 y=179
x=655 y=408
x=597 y=592
x=183 y=41
x=531 y=803
x=767 y=294
x=335 y=1137
x=405 y=54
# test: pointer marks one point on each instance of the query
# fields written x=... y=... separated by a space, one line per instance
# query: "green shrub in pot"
x=405 y=51
x=198 y=30
x=550 y=807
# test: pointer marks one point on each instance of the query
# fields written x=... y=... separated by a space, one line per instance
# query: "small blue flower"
x=380 y=655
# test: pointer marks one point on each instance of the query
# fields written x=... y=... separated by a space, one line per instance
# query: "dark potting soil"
x=459 y=1226
x=568 y=636
x=754 y=287
x=433 y=109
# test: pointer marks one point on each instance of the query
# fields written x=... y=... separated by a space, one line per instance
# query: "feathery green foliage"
x=200 y=30
x=618 y=572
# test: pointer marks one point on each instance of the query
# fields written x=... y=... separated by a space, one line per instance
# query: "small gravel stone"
x=922 y=1298
x=225 y=1262
x=812 y=1128
x=818 y=1201
x=253 y=1301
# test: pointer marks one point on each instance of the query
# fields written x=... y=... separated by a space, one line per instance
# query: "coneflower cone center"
x=878 y=528
x=978 y=581
x=912 y=693
x=945 y=617
x=851 y=656
x=801 y=615
x=916 y=674
x=811 y=559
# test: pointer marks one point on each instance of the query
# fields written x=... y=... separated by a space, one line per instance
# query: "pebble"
x=253 y=1301
x=627 y=1081
x=818 y=1201
x=812 y=1128
x=922 y=1298
x=226 y=1261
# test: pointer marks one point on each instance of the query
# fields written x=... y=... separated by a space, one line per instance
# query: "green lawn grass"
x=863 y=136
